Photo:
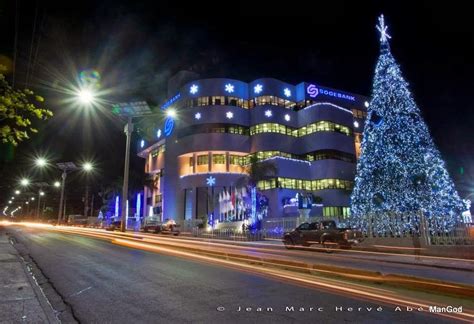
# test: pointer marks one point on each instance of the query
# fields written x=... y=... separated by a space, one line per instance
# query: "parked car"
x=325 y=233
x=153 y=224
x=114 y=225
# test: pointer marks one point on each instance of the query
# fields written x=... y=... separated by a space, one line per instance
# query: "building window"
x=218 y=158
x=237 y=160
x=310 y=185
x=217 y=100
x=202 y=159
x=320 y=126
x=203 y=101
x=359 y=113
x=272 y=100
x=336 y=212
x=331 y=154
x=267 y=184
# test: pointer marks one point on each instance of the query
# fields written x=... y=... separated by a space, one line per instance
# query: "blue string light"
x=401 y=179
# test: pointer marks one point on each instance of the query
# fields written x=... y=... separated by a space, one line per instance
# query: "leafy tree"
x=17 y=108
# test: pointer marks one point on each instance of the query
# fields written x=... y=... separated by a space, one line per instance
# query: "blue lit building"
x=310 y=132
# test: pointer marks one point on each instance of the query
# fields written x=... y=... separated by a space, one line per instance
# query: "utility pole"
x=39 y=202
x=61 y=200
x=86 y=201
x=128 y=132
x=92 y=206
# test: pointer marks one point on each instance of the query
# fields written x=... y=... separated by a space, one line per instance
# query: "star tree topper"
x=384 y=36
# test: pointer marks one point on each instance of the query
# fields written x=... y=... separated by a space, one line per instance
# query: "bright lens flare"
x=85 y=96
x=87 y=166
x=57 y=184
x=24 y=182
x=41 y=162
x=171 y=113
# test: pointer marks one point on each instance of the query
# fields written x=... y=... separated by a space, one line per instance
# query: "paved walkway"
x=21 y=300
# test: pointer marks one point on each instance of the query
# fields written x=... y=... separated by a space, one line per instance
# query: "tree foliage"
x=257 y=171
x=17 y=109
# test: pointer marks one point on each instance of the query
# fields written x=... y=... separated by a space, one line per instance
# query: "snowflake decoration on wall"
x=197 y=115
x=287 y=117
x=229 y=88
x=194 y=89
x=268 y=113
x=287 y=92
x=158 y=133
x=229 y=114
x=211 y=181
x=258 y=88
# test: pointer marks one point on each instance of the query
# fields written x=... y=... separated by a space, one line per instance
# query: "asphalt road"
x=106 y=283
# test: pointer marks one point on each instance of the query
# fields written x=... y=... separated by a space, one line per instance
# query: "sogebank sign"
x=314 y=91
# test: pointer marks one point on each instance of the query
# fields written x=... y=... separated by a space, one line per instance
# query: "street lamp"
x=32 y=198
x=24 y=182
x=87 y=166
x=57 y=184
x=171 y=113
x=68 y=167
x=41 y=162
x=17 y=192
x=129 y=110
x=86 y=96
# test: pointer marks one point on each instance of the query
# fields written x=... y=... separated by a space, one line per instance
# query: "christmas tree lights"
x=401 y=184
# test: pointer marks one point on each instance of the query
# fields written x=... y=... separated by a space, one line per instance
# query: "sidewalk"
x=21 y=301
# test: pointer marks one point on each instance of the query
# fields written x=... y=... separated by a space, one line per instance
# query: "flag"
x=220 y=203
x=232 y=198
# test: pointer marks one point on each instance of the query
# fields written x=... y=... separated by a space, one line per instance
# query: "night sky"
x=137 y=47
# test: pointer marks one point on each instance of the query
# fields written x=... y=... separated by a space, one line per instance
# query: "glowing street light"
x=32 y=198
x=171 y=113
x=87 y=166
x=10 y=202
x=17 y=192
x=41 y=162
x=41 y=193
x=57 y=184
x=24 y=182
x=86 y=96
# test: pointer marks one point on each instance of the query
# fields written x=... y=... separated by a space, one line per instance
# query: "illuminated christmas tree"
x=401 y=177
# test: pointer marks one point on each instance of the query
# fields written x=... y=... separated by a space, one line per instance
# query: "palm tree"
x=256 y=171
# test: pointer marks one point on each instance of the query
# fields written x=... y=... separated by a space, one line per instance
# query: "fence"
x=397 y=229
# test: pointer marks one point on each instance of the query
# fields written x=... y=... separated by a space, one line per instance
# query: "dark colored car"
x=325 y=233
x=114 y=225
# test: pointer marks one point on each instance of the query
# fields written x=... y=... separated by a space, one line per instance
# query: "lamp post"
x=128 y=110
x=65 y=167
x=128 y=132
x=40 y=194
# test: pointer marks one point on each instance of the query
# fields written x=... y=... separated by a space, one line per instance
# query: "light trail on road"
x=171 y=246
x=241 y=244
